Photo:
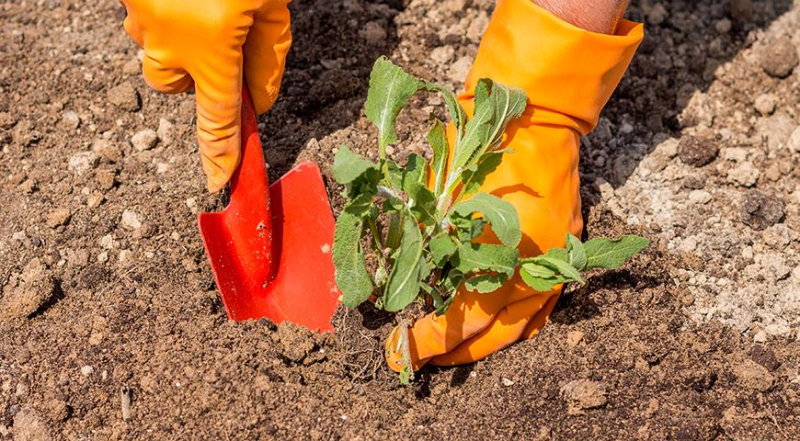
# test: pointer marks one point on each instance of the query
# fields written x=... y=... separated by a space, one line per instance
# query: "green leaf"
x=423 y=204
x=395 y=230
x=360 y=206
x=495 y=106
x=348 y=259
x=454 y=109
x=390 y=89
x=501 y=214
x=463 y=227
x=558 y=253
x=577 y=252
x=442 y=248
x=482 y=91
x=349 y=166
x=437 y=138
x=478 y=226
x=414 y=173
x=509 y=103
x=395 y=177
x=476 y=134
x=474 y=179
x=611 y=254
x=562 y=267
x=486 y=257
x=485 y=283
x=534 y=269
x=541 y=284
x=407 y=269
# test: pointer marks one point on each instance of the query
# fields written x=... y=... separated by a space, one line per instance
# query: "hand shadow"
x=678 y=57
x=327 y=73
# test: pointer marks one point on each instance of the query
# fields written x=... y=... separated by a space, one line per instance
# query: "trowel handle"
x=249 y=186
x=250 y=183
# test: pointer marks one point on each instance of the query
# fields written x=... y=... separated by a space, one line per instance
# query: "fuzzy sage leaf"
x=611 y=254
x=501 y=215
x=403 y=285
x=348 y=259
x=390 y=88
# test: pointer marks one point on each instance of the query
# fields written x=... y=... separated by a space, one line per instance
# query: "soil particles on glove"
x=110 y=327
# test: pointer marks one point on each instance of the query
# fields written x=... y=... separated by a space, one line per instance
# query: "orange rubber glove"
x=212 y=44
x=568 y=74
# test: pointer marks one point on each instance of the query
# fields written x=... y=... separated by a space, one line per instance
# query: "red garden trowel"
x=270 y=248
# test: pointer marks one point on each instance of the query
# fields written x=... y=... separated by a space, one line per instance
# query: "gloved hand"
x=568 y=74
x=211 y=44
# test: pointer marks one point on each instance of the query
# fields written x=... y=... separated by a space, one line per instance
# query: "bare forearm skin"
x=593 y=15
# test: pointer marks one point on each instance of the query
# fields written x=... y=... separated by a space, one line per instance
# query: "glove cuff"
x=568 y=73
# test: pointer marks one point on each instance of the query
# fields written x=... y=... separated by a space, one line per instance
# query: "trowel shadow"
x=327 y=73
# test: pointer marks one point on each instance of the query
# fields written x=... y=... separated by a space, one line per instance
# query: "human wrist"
x=599 y=16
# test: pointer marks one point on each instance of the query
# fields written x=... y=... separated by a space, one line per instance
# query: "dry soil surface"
x=110 y=326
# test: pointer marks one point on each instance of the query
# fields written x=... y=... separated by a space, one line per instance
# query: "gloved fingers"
x=506 y=329
x=132 y=25
x=219 y=100
x=540 y=319
x=470 y=313
x=268 y=42
x=163 y=78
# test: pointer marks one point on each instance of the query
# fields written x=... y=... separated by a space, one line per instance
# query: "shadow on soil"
x=327 y=73
x=677 y=58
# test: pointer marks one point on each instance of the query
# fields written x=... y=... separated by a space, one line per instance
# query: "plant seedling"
x=417 y=224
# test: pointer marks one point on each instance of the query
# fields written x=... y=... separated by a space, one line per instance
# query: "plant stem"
x=376 y=236
x=405 y=349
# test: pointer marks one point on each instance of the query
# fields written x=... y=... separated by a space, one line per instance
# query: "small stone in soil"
x=765 y=103
x=70 y=120
x=95 y=199
x=765 y=357
x=373 y=33
x=460 y=69
x=741 y=9
x=125 y=97
x=58 y=217
x=794 y=141
x=723 y=26
x=131 y=67
x=696 y=151
x=81 y=163
x=585 y=394
x=107 y=150
x=7 y=120
x=694 y=182
x=760 y=211
x=753 y=376
x=164 y=131
x=777 y=236
x=105 y=178
x=744 y=174
x=144 y=140
x=30 y=426
x=779 y=58
x=28 y=186
x=130 y=220
x=26 y=292
x=574 y=337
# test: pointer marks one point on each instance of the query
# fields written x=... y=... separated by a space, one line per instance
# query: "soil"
x=111 y=328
